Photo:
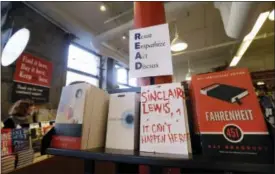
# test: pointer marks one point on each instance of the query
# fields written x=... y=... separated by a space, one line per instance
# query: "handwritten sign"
x=163 y=125
x=150 y=52
x=33 y=70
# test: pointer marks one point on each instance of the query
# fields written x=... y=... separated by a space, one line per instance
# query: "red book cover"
x=228 y=115
x=6 y=142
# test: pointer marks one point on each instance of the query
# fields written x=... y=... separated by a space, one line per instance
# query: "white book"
x=122 y=125
x=163 y=120
x=81 y=117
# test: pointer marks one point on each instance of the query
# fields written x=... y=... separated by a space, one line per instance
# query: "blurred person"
x=21 y=112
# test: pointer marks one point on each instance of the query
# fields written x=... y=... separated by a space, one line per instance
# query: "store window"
x=123 y=79
x=82 y=66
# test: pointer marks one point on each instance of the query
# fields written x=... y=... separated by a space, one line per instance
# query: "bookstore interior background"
x=192 y=79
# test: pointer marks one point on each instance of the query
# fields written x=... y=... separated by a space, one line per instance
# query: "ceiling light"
x=15 y=46
x=260 y=83
x=123 y=37
x=102 y=8
x=188 y=76
x=235 y=60
x=249 y=38
x=271 y=15
x=177 y=44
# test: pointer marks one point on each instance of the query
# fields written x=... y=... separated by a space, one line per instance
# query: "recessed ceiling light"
x=271 y=15
x=102 y=8
x=123 y=37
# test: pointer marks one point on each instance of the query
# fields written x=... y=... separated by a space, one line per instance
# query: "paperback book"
x=6 y=142
x=227 y=115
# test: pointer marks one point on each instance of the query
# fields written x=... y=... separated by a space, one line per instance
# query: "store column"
x=148 y=14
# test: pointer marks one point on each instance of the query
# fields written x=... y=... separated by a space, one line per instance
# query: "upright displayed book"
x=21 y=139
x=123 y=121
x=228 y=116
x=7 y=163
x=6 y=142
x=163 y=120
x=81 y=117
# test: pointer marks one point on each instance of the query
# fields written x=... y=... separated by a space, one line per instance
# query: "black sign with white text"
x=38 y=94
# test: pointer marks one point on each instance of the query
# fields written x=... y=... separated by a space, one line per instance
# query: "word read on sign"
x=163 y=122
x=150 y=53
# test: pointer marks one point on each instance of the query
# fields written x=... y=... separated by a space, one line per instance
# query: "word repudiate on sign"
x=150 y=53
x=33 y=70
x=163 y=123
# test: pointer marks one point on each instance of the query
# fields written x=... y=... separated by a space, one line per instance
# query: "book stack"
x=81 y=117
x=25 y=158
x=7 y=163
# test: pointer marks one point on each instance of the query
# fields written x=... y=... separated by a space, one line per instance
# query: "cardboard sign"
x=228 y=115
x=38 y=94
x=33 y=70
x=163 y=123
x=150 y=52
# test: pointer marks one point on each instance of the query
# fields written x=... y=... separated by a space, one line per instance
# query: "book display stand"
x=197 y=162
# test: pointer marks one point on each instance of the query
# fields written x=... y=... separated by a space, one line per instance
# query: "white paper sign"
x=150 y=52
x=163 y=122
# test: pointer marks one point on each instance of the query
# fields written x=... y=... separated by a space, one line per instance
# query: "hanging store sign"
x=38 y=94
x=33 y=70
x=32 y=79
x=150 y=53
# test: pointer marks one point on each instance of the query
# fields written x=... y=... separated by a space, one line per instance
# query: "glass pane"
x=72 y=77
x=82 y=60
x=122 y=75
x=122 y=86
x=133 y=82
